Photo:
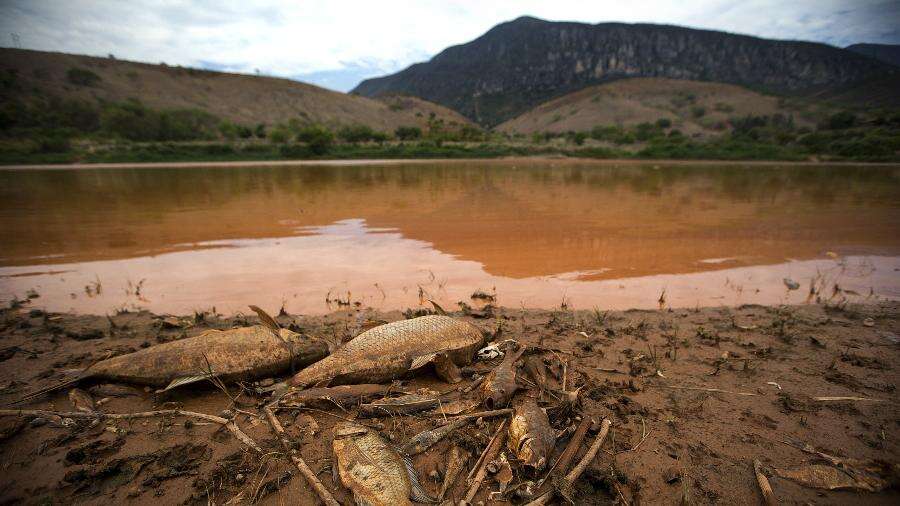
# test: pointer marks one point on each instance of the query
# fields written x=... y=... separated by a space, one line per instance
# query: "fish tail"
x=47 y=390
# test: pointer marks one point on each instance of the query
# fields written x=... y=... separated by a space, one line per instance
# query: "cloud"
x=339 y=41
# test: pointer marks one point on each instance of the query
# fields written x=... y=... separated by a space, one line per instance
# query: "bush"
x=82 y=77
x=54 y=144
x=698 y=111
x=356 y=133
x=260 y=131
x=407 y=133
x=663 y=123
x=840 y=120
x=130 y=120
x=279 y=135
x=318 y=138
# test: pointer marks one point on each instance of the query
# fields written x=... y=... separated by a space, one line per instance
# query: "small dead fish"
x=372 y=469
x=791 y=284
x=531 y=437
x=426 y=439
x=500 y=384
x=403 y=405
x=534 y=367
x=327 y=397
x=240 y=354
x=457 y=459
x=388 y=351
x=82 y=401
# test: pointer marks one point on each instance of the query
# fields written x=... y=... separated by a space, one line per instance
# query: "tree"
x=407 y=133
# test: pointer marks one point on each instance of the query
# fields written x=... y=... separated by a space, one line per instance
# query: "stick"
x=228 y=424
x=709 y=390
x=488 y=455
x=307 y=473
x=576 y=472
x=565 y=458
x=826 y=399
x=483 y=414
x=764 y=487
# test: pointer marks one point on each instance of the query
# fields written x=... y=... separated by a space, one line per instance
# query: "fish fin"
x=437 y=308
x=446 y=369
x=421 y=361
x=52 y=388
x=267 y=321
x=186 y=380
x=416 y=491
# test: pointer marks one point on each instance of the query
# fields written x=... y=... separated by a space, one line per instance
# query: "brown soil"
x=666 y=442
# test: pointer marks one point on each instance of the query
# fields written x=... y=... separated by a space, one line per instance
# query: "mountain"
x=693 y=107
x=888 y=53
x=522 y=63
x=34 y=75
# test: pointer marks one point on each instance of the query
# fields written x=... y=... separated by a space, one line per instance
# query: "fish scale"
x=389 y=350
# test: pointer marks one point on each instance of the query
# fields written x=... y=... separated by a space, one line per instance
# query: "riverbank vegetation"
x=72 y=130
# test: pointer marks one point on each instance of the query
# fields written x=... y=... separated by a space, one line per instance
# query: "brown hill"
x=240 y=98
x=693 y=107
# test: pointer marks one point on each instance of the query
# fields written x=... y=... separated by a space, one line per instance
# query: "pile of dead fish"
x=502 y=388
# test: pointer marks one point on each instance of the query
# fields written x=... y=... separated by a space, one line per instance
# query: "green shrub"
x=318 y=138
x=356 y=133
x=406 y=133
x=279 y=135
x=260 y=131
x=54 y=144
x=723 y=107
x=82 y=77
x=840 y=120
x=663 y=123
x=698 y=111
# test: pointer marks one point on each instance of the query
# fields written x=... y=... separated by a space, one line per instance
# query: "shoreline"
x=419 y=161
x=694 y=397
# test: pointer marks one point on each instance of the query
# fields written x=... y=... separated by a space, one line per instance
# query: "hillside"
x=693 y=107
x=519 y=64
x=888 y=53
x=31 y=75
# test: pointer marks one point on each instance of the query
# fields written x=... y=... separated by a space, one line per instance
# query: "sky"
x=337 y=43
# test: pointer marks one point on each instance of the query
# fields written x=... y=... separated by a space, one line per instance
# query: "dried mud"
x=670 y=442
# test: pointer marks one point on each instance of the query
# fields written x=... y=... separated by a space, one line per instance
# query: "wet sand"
x=670 y=438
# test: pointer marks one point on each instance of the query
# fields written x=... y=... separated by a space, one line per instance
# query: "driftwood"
x=565 y=487
x=228 y=424
x=298 y=461
x=489 y=454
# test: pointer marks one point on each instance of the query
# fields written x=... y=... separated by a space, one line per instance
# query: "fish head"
x=489 y=352
x=349 y=429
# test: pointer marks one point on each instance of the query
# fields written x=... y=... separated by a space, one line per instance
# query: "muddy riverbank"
x=694 y=397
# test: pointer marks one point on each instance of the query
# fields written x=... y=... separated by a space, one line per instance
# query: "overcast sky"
x=337 y=43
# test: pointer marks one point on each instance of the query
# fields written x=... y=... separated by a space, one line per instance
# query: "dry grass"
x=240 y=98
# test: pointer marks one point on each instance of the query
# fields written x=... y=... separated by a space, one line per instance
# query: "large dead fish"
x=531 y=437
x=372 y=469
x=231 y=355
x=388 y=351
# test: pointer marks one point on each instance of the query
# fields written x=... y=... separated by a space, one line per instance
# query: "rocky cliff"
x=519 y=64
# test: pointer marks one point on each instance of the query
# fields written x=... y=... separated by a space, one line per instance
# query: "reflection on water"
x=536 y=232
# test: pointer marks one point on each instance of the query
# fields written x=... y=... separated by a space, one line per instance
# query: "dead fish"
x=82 y=401
x=327 y=397
x=791 y=284
x=500 y=384
x=372 y=469
x=388 y=351
x=534 y=367
x=113 y=390
x=531 y=437
x=240 y=354
x=426 y=439
x=403 y=405
x=456 y=461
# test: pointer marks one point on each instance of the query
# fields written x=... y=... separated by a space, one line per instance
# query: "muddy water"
x=536 y=234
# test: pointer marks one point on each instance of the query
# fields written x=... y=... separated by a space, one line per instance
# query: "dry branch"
x=307 y=473
x=228 y=424
x=493 y=448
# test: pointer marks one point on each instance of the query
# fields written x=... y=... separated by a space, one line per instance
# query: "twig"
x=307 y=473
x=826 y=399
x=576 y=472
x=611 y=370
x=764 y=487
x=565 y=458
x=749 y=394
x=228 y=424
x=483 y=414
x=488 y=455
